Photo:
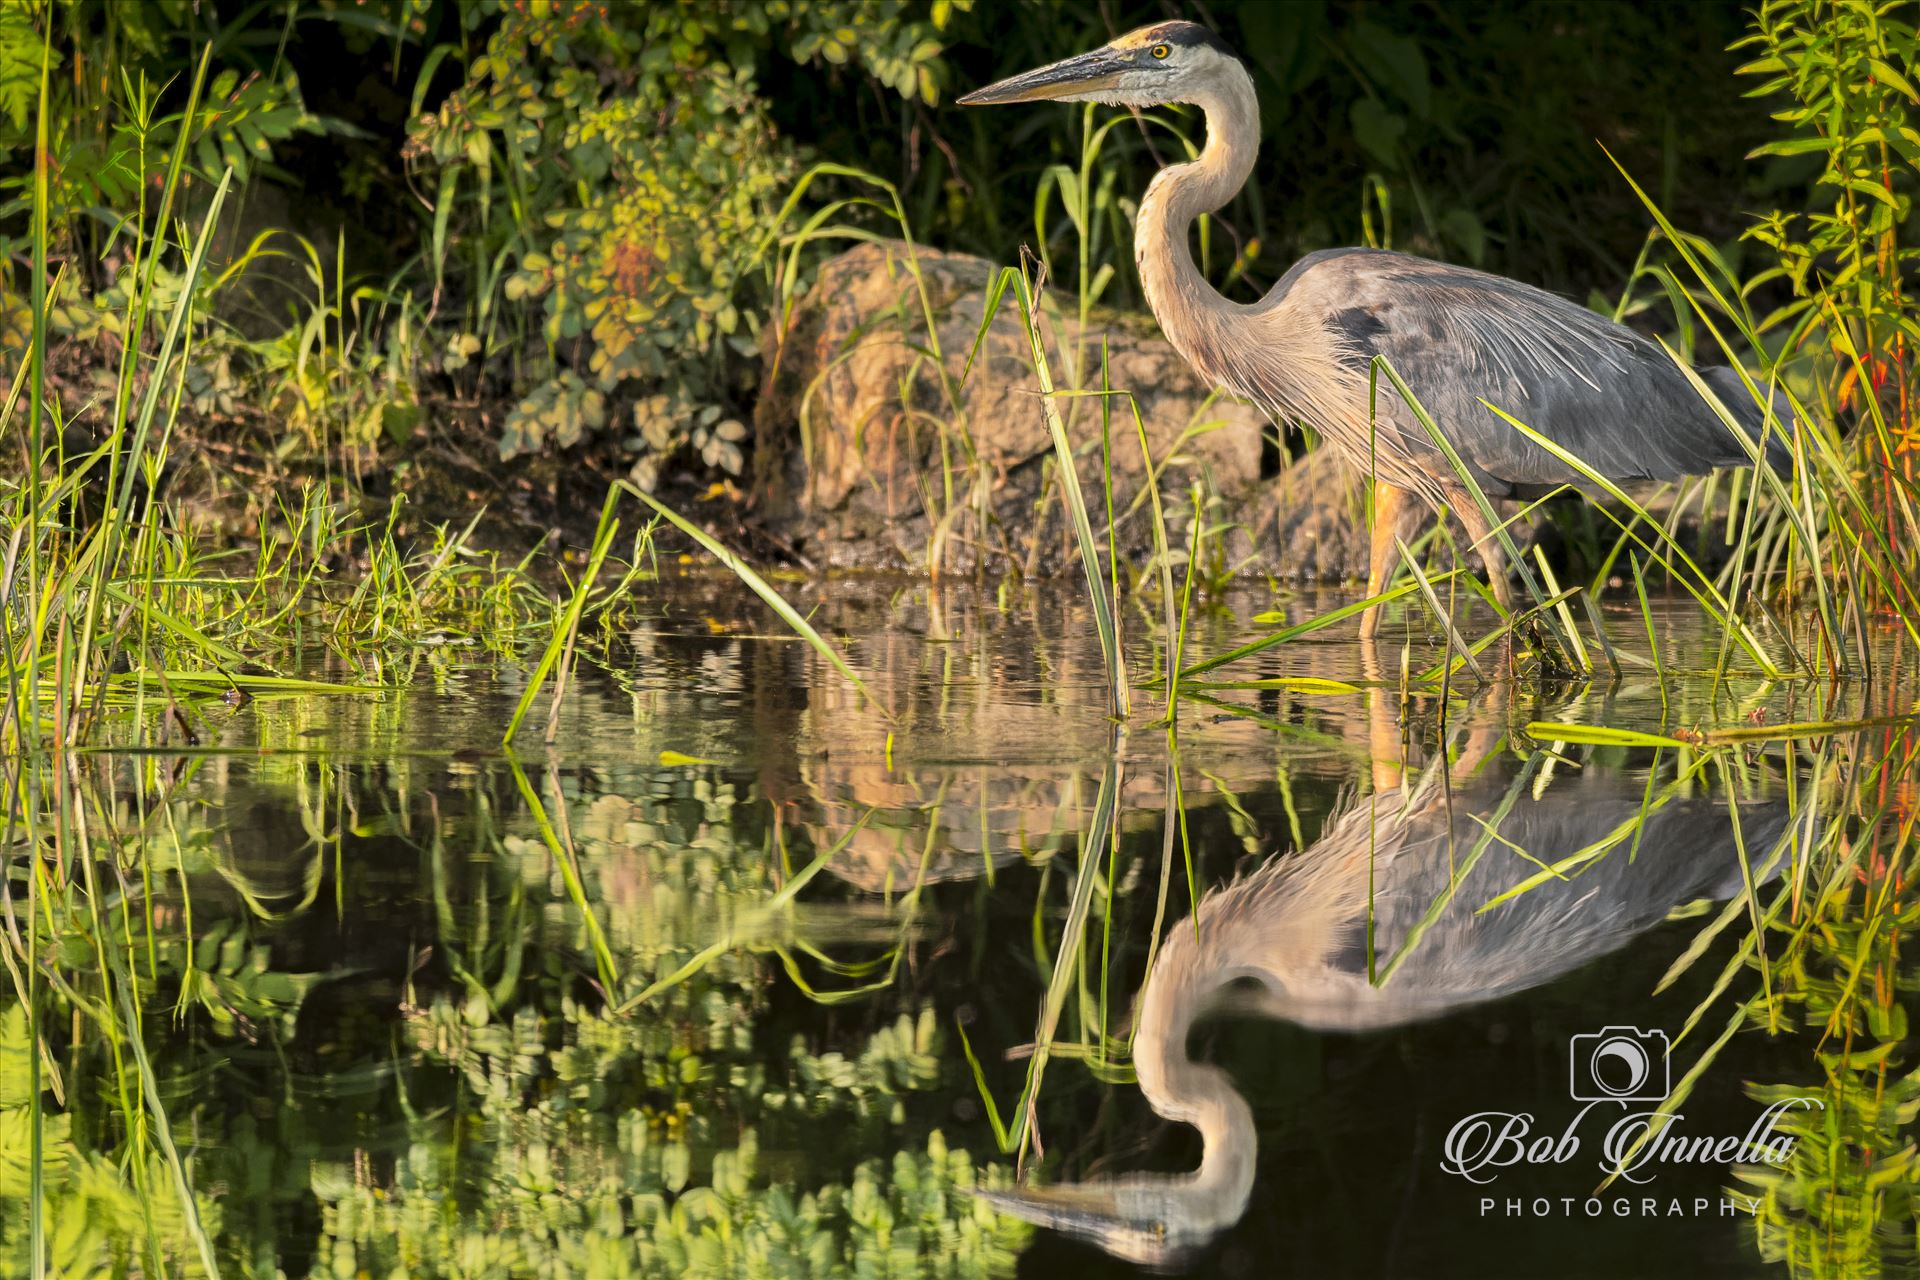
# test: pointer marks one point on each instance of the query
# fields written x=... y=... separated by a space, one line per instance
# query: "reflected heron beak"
x=1099 y=1212
x=1086 y=73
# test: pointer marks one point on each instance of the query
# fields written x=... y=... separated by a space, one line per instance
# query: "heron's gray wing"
x=1687 y=850
x=1606 y=394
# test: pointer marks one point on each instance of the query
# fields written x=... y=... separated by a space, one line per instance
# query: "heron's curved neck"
x=1202 y=1095
x=1179 y=295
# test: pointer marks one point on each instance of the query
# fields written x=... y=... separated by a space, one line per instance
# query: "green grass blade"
x=1310 y=626
x=761 y=588
x=1076 y=504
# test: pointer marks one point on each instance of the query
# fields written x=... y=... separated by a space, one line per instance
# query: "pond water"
x=745 y=974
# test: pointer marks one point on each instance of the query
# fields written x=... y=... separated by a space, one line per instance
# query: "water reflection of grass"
x=1849 y=1202
x=537 y=1124
x=561 y=1062
x=575 y=1044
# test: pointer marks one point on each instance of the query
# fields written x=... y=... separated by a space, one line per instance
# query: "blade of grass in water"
x=563 y=857
x=1170 y=790
x=1657 y=1123
x=778 y=901
x=1002 y=1135
x=1653 y=642
x=1295 y=684
x=1464 y=476
x=1438 y=610
x=562 y=634
x=1599 y=735
x=163 y=1131
x=1489 y=827
x=1310 y=626
x=1186 y=601
x=1075 y=501
x=1162 y=552
x=1706 y=593
x=1066 y=957
x=760 y=587
x=1565 y=614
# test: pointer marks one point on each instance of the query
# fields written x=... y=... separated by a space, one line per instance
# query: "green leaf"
x=19 y=63
x=1791 y=147
x=674 y=760
x=1885 y=73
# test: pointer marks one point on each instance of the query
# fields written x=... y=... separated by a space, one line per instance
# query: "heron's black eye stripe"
x=1161 y=51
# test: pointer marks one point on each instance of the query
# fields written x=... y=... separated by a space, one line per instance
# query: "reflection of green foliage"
x=97 y=1218
x=493 y=1116
x=232 y=979
x=599 y=1145
x=554 y=1215
x=1847 y=1202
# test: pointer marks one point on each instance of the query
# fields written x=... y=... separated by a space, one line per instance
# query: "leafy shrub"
x=1846 y=71
x=643 y=178
x=649 y=269
x=107 y=133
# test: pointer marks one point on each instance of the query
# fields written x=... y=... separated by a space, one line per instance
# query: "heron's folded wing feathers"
x=1459 y=337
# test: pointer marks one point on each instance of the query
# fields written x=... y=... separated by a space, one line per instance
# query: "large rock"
x=875 y=453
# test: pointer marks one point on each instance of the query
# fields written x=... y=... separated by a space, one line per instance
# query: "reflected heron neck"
x=1200 y=1094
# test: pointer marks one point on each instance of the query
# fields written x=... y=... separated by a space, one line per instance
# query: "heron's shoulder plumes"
x=1469 y=343
x=1508 y=333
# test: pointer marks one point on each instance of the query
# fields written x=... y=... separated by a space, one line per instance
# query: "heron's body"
x=1555 y=366
x=1462 y=339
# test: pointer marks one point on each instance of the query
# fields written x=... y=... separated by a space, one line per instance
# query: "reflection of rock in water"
x=990 y=765
x=935 y=824
x=983 y=765
x=1290 y=941
x=939 y=825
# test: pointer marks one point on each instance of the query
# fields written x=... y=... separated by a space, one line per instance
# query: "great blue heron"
x=1607 y=395
x=1417 y=865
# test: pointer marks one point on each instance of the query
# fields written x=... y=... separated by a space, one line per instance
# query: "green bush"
x=641 y=177
x=1842 y=73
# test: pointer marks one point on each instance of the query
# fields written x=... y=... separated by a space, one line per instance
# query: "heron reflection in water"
x=1289 y=941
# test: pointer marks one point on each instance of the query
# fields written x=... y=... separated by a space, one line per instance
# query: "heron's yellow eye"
x=1161 y=51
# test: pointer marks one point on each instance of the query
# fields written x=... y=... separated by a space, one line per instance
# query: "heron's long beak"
x=1081 y=1208
x=1092 y=1211
x=1087 y=73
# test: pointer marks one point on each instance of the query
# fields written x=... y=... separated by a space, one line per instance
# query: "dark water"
x=609 y=1008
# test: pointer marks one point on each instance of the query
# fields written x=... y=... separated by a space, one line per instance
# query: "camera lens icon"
x=1619 y=1064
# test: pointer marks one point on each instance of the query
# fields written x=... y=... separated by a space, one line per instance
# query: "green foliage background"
x=548 y=219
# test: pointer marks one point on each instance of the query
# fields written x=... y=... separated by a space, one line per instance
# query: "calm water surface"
x=694 y=990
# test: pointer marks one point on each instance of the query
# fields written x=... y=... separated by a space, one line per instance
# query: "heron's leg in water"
x=1486 y=543
x=1386 y=745
x=1388 y=502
